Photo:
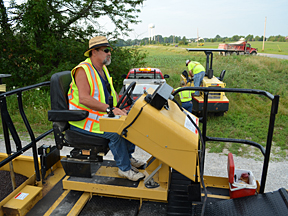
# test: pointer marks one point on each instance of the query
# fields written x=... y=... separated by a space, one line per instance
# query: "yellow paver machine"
x=218 y=103
x=83 y=183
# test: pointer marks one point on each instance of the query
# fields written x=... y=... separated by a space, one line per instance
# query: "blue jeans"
x=197 y=81
x=121 y=148
x=188 y=106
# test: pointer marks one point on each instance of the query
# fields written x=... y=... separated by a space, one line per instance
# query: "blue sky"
x=210 y=17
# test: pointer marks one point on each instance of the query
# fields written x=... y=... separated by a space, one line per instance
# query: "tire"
x=219 y=114
x=253 y=53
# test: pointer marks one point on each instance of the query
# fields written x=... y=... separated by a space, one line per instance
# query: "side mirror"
x=123 y=76
x=166 y=76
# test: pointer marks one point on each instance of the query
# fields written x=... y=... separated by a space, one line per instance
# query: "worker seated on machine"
x=89 y=90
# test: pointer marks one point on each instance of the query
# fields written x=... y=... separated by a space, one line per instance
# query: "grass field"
x=248 y=115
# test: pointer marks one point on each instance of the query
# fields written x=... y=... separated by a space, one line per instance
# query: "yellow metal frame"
x=213 y=82
x=24 y=165
x=168 y=138
x=160 y=193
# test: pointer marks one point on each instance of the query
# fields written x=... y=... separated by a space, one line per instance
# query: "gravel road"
x=215 y=164
x=273 y=55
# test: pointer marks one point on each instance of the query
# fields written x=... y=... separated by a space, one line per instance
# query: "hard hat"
x=187 y=62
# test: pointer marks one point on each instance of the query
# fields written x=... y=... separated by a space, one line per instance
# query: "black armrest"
x=67 y=115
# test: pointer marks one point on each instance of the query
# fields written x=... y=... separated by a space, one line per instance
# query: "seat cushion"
x=80 y=140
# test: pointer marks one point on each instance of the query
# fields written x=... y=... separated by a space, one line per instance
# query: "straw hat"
x=95 y=42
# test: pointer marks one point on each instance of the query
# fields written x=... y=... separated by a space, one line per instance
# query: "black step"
x=178 y=200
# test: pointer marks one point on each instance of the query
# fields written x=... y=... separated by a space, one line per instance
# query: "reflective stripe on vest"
x=91 y=123
x=185 y=96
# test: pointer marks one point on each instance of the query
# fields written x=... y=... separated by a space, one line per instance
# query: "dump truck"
x=240 y=47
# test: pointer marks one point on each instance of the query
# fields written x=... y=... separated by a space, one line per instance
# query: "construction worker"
x=186 y=97
x=197 y=71
x=90 y=89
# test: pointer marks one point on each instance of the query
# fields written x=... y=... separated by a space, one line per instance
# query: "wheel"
x=126 y=97
x=219 y=114
x=253 y=53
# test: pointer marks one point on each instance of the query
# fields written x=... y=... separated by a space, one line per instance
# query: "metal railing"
x=274 y=109
x=8 y=125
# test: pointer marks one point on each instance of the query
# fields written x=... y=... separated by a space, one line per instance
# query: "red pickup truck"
x=240 y=47
x=145 y=78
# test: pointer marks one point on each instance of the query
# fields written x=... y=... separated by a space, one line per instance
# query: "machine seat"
x=60 y=115
x=222 y=74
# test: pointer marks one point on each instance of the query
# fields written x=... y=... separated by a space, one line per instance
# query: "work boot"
x=131 y=174
x=136 y=163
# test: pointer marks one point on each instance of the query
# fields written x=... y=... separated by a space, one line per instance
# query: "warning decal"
x=21 y=196
x=189 y=125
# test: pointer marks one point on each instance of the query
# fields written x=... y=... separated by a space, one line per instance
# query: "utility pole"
x=197 y=37
x=264 y=34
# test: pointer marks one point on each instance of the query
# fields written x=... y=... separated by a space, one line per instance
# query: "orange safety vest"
x=91 y=123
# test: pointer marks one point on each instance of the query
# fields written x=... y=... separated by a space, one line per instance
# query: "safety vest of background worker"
x=186 y=97
x=197 y=71
x=91 y=123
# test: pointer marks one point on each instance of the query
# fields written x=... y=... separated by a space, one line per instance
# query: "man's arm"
x=191 y=73
x=84 y=94
x=190 y=69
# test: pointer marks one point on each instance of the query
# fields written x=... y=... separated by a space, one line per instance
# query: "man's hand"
x=191 y=74
x=118 y=111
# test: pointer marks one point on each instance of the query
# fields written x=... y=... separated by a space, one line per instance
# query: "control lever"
x=110 y=101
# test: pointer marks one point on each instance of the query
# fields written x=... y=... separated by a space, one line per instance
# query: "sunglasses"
x=106 y=50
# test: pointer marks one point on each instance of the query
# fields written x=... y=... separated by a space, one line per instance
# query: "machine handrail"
x=274 y=111
x=8 y=125
x=236 y=90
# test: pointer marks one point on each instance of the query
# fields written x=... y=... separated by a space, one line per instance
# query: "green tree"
x=235 y=38
x=217 y=37
x=249 y=37
x=49 y=36
x=184 y=40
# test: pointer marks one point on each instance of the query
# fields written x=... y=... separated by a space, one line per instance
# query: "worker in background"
x=90 y=88
x=196 y=71
x=186 y=97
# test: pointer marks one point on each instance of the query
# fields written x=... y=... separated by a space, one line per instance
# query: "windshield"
x=139 y=89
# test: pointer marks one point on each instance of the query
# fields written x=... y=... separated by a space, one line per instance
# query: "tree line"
x=159 y=39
